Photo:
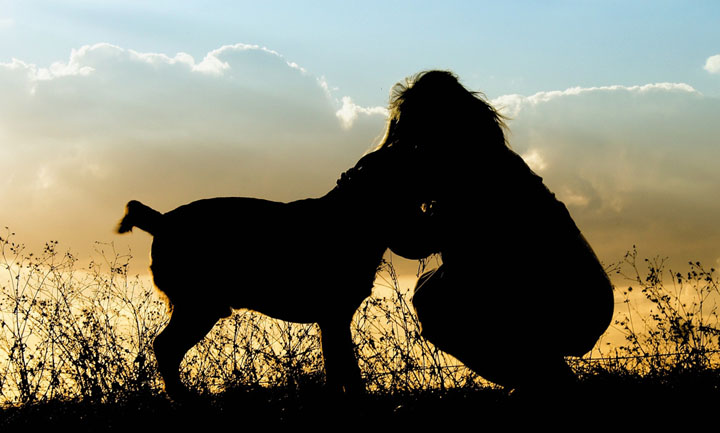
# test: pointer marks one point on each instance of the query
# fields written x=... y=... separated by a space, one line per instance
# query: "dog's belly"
x=296 y=291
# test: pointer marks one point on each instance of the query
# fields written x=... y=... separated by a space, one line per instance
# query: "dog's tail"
x=140 y=216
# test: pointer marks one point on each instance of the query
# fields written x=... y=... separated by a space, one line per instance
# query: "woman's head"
x=432 y=110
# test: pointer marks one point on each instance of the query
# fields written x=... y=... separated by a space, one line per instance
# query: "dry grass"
x=78 y=341
x=70 y=333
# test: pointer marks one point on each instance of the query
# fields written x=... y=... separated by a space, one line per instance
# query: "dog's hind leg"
x=188 y=325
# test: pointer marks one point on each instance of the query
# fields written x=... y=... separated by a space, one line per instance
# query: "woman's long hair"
x=433 y=109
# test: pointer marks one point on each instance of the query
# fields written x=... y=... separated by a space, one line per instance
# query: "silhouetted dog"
x=214 y=255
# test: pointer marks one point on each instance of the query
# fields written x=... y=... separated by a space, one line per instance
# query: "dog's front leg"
x=341 y=367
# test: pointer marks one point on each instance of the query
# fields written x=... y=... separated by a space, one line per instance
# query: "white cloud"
x=634 y=164
x=213 y=63
x=511 y=105
x=712 y=64
x=83 y=136
x=6 y=23
x=534 y=159
x=350 y=111
x=573 y=198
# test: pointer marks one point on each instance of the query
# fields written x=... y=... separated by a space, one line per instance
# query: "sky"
x=614 y=103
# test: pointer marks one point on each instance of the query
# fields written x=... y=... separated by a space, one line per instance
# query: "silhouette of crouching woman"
x=519 y=288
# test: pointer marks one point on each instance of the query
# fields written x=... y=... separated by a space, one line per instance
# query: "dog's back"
x=282 y=259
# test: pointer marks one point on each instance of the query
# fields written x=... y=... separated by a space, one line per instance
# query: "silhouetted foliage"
x=669 y=320
x=75 y=345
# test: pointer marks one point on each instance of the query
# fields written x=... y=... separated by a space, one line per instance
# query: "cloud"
x=81 y=137
x=6 y=23
x=634 y=164
x=712 y=64
x=511 y=105
x=534 y=159
x=349 y=112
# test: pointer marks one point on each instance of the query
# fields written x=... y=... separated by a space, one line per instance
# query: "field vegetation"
x=76 y=350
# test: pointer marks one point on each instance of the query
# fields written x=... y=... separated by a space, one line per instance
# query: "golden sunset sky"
x=615 y=104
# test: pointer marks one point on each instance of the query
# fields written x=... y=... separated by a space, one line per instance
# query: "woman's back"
x=500 y=212
x=511 y=249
